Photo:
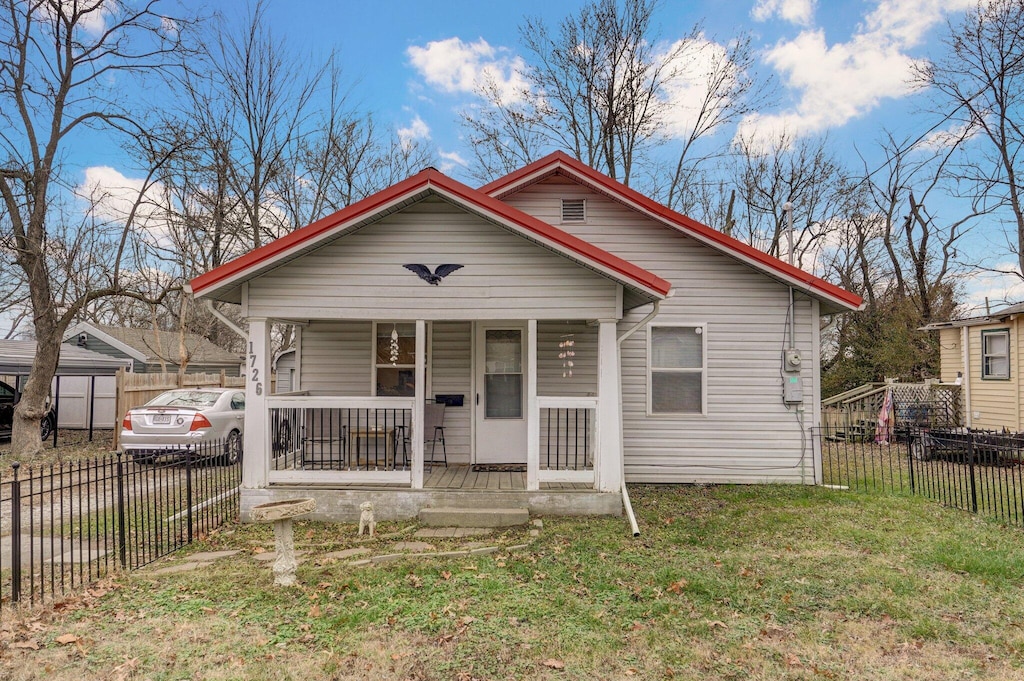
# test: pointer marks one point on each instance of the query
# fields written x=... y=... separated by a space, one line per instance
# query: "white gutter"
x=622 y=449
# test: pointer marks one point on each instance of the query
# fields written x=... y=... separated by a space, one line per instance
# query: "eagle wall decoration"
x=433 y=278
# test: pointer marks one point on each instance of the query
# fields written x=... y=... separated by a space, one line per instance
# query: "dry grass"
x=72 y=445
x=725 y=583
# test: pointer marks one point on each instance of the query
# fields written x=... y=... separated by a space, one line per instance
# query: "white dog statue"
x=366 y=520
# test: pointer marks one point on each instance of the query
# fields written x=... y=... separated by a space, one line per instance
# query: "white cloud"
x=946 y=139
x=92 y=14
x=839 y=82
x=417 y=130
x=462 y=67
x=111 y=196
x=799 y=12
x=687 y=88
x=452 y=161
x=1000 y=289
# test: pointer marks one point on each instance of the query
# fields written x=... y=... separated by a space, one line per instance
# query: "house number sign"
x=255 y=369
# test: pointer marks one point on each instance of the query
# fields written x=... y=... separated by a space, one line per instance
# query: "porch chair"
x=433 y=432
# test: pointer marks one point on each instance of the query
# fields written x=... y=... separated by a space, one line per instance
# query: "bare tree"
x=62 y=66
x=722 y=81
x=980 y=86
x=801 y=172
x=265 y=89
x=593 y=89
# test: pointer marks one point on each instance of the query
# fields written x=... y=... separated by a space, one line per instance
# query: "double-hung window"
x=995 y=354
x=676 y=369
x=394 y=367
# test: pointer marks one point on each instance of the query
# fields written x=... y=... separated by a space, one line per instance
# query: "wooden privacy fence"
x=134 y=390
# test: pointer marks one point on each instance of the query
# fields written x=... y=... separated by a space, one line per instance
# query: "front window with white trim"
x=676 y=369
x=995 y=354
x=394 y=367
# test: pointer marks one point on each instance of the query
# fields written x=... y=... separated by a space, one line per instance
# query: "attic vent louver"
x=574 y=210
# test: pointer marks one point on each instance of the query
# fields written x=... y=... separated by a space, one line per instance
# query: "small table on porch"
x=360 y=435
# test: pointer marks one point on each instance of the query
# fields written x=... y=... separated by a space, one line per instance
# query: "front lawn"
x=725 y=583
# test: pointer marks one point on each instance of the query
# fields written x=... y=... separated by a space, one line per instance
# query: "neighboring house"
x=284 y=370
x=84 y=385
x=146 y=348
x=589 y=335
x=990 y=347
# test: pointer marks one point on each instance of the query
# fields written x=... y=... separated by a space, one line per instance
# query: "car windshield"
x=197 y=399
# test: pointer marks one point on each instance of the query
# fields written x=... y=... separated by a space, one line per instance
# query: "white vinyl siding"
x=748 y=434
x=451 y=374
x=361 y=275
x=337 y=359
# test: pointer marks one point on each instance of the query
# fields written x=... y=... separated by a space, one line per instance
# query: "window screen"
x=676 y=370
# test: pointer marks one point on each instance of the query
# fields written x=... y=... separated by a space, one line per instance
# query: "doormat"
x=499 y=468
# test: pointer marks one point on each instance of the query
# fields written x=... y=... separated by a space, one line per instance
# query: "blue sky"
x=841 y=67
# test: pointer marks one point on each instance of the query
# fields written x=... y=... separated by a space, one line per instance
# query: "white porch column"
x=256 y=459
x=417 y=406
x=532 y=409
x=608 y=467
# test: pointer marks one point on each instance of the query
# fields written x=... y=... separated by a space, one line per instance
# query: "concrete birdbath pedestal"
x=281 y=513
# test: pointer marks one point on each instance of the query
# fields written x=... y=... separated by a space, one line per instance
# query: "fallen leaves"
x=552 y=663
x=66 y=639
x=30 y=644
x=677 y=587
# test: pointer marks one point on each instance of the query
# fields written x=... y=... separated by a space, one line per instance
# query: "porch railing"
x=344 y=439
x=568 y=438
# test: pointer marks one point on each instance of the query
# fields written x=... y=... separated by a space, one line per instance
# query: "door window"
x=503 y=374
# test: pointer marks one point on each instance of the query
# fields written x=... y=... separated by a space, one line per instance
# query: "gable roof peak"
x=577 y=171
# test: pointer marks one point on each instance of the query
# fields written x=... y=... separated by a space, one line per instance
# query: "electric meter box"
x=791 y=360
x=792 y=390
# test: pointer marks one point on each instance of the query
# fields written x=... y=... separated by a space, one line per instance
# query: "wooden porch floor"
x=462 y=477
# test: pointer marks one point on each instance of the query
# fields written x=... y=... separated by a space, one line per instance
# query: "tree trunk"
x=25 y=439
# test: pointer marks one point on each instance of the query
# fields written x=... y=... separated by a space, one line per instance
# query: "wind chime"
x=394 y=345
x=566 y=353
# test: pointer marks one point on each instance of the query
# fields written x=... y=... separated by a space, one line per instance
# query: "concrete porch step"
x=450 y=516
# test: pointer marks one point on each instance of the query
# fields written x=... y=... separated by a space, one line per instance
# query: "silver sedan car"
x=187 y=420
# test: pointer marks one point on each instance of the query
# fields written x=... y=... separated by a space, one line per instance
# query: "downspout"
x=622 y=447
x=965 y=348
x=223 y=318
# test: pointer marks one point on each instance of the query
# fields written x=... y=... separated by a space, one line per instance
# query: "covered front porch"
x=449 y=407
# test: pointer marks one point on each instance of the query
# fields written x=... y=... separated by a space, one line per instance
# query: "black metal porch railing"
x=980 y=472
x=64 y=526
x=567 y=438
x=367 y=439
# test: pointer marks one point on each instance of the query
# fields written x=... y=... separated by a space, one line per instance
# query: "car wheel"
x=233 y=448
x=283 y=437
x=46 y=428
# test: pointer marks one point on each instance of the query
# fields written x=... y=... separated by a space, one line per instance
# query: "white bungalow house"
x=588 y=337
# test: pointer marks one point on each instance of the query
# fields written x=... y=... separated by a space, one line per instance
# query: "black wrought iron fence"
x=977 y=471
x=66 y=525
x=344 y=438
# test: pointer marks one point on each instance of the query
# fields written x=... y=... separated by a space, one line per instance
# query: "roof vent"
x=574 y=210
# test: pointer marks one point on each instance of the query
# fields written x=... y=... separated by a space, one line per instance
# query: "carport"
x=83 y=389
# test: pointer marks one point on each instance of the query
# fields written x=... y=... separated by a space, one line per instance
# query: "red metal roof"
x=426 y=180
x=559 y=161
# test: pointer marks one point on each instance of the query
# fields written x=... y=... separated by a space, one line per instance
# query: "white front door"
x=500 y=400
